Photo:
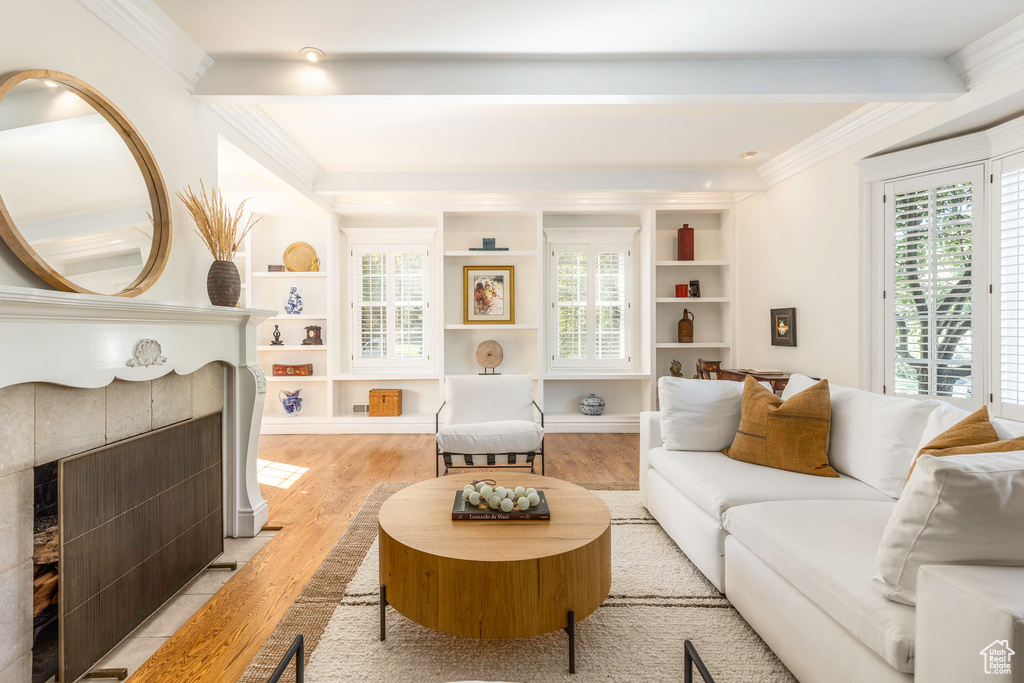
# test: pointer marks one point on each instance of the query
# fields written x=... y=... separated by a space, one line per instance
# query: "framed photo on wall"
x=783 y=327
x=489 y=295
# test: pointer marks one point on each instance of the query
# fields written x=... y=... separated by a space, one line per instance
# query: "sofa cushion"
x=958 y=509
x=698 y=414
x=873 y=438
x=716 y=483
x=508 y=436
x=824 y=549
x=790 y=435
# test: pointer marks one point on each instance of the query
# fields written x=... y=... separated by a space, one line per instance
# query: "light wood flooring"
x=218 y=642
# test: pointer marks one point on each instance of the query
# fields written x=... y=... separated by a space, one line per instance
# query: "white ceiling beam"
x=505 y=81
x=556 y=181
x=148 y=28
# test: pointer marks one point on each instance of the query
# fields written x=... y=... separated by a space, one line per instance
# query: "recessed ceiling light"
x=49 y=84
x=312 y=54
x=748 y=155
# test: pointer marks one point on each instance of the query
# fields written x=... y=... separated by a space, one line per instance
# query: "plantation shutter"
x=410 y=305
x=1011 y=287
x=370 y=305
x=590 y=304
x=610 y=306
x=389 y=306
x=932 y=335
x=571 y=287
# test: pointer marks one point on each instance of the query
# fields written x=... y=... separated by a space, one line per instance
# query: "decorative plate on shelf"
x=300 y=257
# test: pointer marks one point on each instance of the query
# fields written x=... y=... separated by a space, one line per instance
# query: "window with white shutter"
x=932 y=292
x=591 y=290
x=389 y=306
x=1011 y=286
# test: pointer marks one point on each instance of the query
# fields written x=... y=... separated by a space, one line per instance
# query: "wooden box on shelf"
x=385 y=402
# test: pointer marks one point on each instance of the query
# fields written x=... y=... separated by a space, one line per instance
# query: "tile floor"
x=134 y=650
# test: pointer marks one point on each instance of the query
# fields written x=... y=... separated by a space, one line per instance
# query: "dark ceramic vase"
x=223 y=284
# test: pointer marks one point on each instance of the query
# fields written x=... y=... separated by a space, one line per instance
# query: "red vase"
x=682 y=291
x=685 y=243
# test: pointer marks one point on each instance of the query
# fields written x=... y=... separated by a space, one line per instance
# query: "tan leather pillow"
x=791 y=435
x=972 y=435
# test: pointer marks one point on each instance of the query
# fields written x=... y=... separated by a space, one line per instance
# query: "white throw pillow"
x=957 y=509
x=699 y=414
x=873 y=438
x=507 y=436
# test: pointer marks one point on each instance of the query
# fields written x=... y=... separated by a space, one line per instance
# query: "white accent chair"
x=488 y=421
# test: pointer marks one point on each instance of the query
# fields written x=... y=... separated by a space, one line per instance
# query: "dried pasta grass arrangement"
x=221 y=231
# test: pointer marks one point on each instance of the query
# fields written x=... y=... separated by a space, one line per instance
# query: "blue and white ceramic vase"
x=592 y=405
x=291 y=401
x=293 y=306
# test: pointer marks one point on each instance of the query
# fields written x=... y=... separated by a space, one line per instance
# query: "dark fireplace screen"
x=137 y=520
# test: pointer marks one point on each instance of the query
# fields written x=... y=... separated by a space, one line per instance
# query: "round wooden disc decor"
x=299 y=257
x=489 y=354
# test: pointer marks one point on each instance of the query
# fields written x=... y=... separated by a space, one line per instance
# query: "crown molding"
x=252 y=122
x=976 y=147
x=853 y=128
x=148 y=28
x=577 y=202
x=990 y=55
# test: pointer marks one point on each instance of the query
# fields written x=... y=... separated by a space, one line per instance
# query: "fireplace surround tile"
x=16 y=615
x=17 y=428
x=16 y=494
x=172 y=399
x=21 y=670
x=68 y=421
x=129 y=410
x=208 y=389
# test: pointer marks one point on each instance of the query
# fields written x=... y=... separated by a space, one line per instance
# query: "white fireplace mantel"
x=87 y=341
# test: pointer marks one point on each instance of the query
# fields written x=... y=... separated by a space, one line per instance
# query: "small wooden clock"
x=313 y=336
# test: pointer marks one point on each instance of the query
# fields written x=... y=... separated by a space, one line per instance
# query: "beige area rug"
x=658 y=600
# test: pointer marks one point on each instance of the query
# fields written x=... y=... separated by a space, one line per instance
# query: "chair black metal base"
x=383 y=611
x=521 y=466
x=691 y=659
x=296 y=650
x=571 y=631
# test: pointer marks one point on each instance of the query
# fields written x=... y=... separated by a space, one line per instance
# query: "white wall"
x=63 y=35
x=801 y=244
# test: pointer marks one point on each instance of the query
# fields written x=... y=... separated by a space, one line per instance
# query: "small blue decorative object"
x=592 y=405
x=293 y=306
x=291 y=401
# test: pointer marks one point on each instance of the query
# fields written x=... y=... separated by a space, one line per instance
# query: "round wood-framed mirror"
x=82 y=200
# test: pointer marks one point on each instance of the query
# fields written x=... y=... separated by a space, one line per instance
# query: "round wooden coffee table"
x=494 y=579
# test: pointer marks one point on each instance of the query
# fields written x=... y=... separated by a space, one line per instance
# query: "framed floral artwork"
x=489 y=295
x=783 y=327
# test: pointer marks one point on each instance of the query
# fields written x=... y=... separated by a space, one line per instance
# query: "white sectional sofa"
x=796 y=553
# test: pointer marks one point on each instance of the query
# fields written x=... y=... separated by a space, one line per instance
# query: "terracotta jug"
x=686 y=327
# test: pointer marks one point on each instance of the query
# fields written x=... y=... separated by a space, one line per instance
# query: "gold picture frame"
x=488 y=295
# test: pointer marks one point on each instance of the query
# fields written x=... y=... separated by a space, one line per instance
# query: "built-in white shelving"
x=332 y=396
x=693 y=345
x=288 y=276
x=497 y=254
x=514 y=326
x=690 y=264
